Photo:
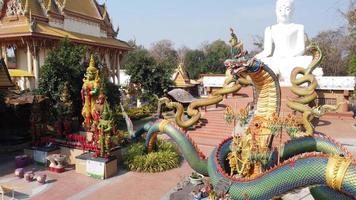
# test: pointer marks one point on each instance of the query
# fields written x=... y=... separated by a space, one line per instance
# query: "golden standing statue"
x=90 y=93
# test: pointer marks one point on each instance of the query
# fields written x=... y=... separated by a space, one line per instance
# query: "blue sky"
x=191 y=22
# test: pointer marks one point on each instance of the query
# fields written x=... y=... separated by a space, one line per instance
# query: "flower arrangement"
x=242 y=116
x=229 y=115
x=275 y=124
x=291 y=125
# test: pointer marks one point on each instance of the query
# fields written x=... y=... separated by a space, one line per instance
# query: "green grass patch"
x=164 y=159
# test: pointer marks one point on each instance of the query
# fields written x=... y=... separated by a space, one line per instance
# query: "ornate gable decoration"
x=14 y=8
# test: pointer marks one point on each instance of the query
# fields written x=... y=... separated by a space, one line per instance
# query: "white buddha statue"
x=284 y=43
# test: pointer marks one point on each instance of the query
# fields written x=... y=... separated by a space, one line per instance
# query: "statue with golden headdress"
x=90 y=93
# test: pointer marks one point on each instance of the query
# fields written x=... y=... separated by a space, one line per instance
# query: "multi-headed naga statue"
x=257 y=170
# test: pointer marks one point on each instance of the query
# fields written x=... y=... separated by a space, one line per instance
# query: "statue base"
x=283 y=67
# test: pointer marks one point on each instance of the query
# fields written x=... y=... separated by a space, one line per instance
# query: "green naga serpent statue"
x=231 y=85
x=308 y=160
x=307 y=94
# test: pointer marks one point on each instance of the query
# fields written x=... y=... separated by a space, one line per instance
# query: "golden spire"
x=92 y=67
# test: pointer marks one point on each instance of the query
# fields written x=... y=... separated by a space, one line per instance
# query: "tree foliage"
x=339 y=46
x=63 y=64
x=164 y=53
x=331 y=44
x=217 y=53
x=350 y=16
x=111 y=91
x=145 y=72
x=209 y=59
x=195 y=63
x=152 y=69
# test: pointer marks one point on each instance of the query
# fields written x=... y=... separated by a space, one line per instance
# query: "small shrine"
x=92 y=149
x=182 y=80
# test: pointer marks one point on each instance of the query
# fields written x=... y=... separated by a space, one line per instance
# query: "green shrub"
x=139 y=113
x=164 y=159
x=133 y=113
x=63 y=64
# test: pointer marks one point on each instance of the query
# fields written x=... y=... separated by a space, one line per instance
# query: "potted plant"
x=196 y=179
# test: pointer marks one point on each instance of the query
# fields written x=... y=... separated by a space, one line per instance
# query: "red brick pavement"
x=212 y=130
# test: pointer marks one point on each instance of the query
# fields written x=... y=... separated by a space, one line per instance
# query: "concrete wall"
x=82 y=26
x=56 y=23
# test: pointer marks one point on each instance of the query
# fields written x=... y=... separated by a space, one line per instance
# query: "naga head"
x=243 y=66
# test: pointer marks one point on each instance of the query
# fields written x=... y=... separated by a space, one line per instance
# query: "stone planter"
x=197 y=179
x=29 y=176
x=41 y=178
x=19 y=172
x=57 y=162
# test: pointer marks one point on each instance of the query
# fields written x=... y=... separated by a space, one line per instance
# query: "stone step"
x=211 y=133
x=206 y=141
x=219 y=127
x=212 y=136
x=211 y=130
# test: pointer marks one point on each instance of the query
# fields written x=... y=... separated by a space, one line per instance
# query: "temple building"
x=181 y=80
x=29 y=29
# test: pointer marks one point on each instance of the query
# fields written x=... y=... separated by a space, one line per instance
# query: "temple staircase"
x=212 y=129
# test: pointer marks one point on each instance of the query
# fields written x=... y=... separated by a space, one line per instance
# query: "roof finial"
x=64 y=4
x=105 y=9
x=49 y=5
x=117 y=30
x=26 y=7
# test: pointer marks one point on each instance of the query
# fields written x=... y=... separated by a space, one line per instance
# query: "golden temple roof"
x=41 y=12
x=42 y=29
x=16 y=30
x=87 y=8
x=33 y=7
x=181 y=77
x=46 y=30
x=84 y=7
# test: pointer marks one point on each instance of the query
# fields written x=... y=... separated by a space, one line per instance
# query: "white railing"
x=336 y=82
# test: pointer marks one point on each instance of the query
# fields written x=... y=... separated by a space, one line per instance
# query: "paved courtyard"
x=133 y=185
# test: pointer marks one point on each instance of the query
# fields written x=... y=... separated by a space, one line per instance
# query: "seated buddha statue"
x=284 y=43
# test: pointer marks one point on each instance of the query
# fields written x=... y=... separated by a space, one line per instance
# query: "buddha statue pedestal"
x=283 y=67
